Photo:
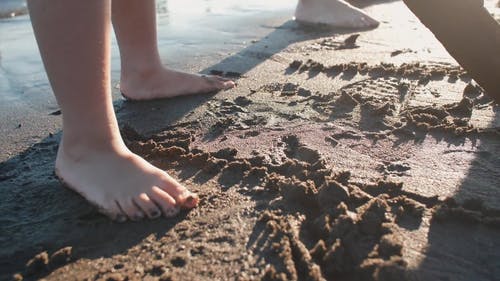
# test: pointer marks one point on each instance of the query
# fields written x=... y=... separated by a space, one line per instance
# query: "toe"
x=147 y=206
x=190 y=200
x=166 y=202
x=187 y=200
x=374 y=23
x=131 y=210
x=114 y=212
x=220 y=83
x=370 y=22
x=183 y=197
x=225 y=83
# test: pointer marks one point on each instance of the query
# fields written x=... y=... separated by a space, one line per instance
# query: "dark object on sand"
x=233 y=74
x=216 y=72
x=56 y=113
x=399 y=52
x=349 y=43
x=469 y=33
x=351 y=40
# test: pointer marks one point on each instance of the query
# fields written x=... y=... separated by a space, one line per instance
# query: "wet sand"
x=372 y=160
x=12 y=8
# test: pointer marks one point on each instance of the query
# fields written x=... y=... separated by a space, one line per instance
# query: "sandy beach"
x=340 y=155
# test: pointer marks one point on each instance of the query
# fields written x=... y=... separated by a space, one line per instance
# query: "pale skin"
x=74 y=41
x=335 y=13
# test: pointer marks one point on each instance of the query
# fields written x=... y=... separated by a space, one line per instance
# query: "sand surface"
x=377 y=160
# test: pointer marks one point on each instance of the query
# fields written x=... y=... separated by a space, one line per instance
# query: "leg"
x=336 y=13
x=142 y=73
x=470 y=34
x=73 y=37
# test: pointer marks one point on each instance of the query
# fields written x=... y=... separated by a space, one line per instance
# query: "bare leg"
x=142 y=74
x=337 y=13
x=73 y=37
x=470 y=34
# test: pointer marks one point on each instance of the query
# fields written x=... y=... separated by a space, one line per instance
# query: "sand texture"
x=337 y=157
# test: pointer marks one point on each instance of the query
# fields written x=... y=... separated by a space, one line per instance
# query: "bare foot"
x=336 y=13
x=161 y=82
x=120 y=183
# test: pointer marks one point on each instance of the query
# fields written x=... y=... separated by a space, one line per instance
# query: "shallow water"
x=39 y=216
x=189 y=31
x=11 y=8
x=192 y=35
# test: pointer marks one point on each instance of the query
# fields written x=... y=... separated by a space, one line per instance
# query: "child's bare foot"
x=336 y=13
x=160 y=82
x=120 y=183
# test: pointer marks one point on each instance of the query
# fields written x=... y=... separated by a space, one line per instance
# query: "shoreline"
x=12 y=8
x=207 y=40
x=384 y=125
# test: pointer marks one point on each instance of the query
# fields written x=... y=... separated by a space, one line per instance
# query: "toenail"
x=121 y=218
x=155 y=214
x=191 y=200
x=172 y=212
x=138 y=216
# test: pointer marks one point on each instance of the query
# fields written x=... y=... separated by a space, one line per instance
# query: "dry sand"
x=376 y=159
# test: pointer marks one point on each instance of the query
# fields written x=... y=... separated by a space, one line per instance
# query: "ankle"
x=139 y=71
x=77 y=148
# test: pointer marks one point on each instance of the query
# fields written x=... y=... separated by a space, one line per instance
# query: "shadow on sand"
x=38 y=214
x=460 y=249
